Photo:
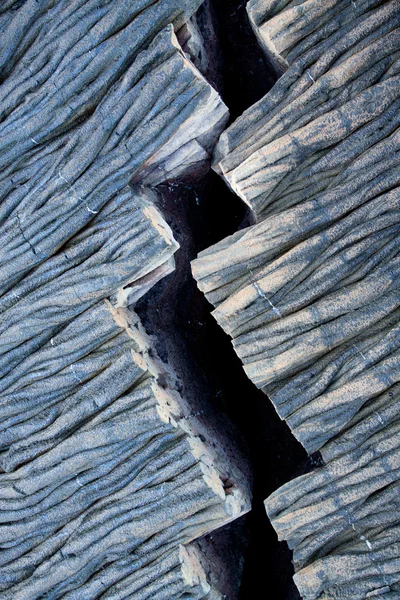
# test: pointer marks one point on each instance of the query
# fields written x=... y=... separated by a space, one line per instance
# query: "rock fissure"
x=131 y=428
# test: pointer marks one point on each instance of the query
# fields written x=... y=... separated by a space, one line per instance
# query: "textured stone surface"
x=310 y=293
x=175 y=573
x=106 y=476
x=312 y=120
x=145 y=127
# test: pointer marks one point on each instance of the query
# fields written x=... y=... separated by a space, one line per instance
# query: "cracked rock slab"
x=105 y=481
x=310 y=293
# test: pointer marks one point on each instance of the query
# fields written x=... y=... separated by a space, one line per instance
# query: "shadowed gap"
x=201 y=214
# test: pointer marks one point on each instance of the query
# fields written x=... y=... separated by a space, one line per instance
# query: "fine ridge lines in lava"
x=105 y=479
x=310 y=293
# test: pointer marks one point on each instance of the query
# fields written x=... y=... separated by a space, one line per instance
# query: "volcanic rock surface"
x=107 y=476
x=310 y=293
x=110 y=477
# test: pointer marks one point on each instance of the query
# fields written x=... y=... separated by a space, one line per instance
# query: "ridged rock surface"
x=104 y=480
x=311 y=292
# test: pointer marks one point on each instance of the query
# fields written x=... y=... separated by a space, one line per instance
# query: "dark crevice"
x=247 y=73
x=188 y=337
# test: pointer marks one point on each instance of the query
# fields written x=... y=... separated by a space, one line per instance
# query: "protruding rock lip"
x=214 y=466
x=192 y=570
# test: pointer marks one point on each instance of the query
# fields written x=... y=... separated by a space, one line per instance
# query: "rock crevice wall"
x=105 y=479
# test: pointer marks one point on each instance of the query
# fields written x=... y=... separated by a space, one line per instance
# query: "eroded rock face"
x=107 y=477
x=310 y=293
